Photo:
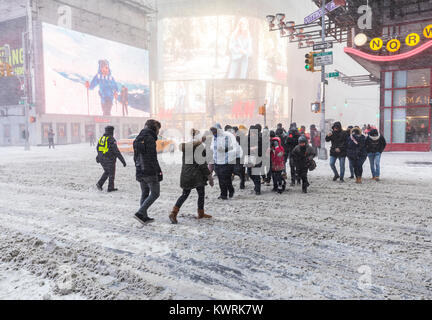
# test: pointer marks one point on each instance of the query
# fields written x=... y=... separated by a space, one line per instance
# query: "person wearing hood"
x=224 y=158
x=375 y=146
x=148 y=172
x=356 y=152
x=280 y=131
x=277 y=153
x=291 y=141
x=108 y=153
x=338 y=151
x=302 y=156
x=108 y=89
x=194 y=175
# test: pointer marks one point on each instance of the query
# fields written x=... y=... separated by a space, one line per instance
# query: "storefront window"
x=400 y=79
x=417 y=125
x=388 y=98
x=399 y=125
x=410 y=125
x=387 y=124
x=411 y=97
x=388 y=80
x=418 y=78
x=399 y=98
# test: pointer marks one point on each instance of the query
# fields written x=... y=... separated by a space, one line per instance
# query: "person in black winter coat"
x=108 y=153
x=194 y=175
x=356 y=152
x=338 y=139
x=302 y=156
x=148 y=171
x=290 y=142
x=375 y=146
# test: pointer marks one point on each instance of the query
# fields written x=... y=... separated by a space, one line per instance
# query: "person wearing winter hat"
x=194 y=175
x=224 y=158
x=338 y=151
x=375 y=146
x=356 y=152
x=108 y=89
x=303 y=155
x=108 y=153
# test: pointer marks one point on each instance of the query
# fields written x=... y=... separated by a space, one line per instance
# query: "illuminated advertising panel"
x=87 y=75
x=11 y=52
x=222 y=47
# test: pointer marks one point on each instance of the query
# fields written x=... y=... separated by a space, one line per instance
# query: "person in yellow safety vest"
x=108 y=153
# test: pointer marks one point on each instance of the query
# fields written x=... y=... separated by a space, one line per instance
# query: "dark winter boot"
x=143 y=219
x=112 y=190
x=99 y=187
x=202 y=215
x=304 y=188
x=336 y=178
x=173 y=215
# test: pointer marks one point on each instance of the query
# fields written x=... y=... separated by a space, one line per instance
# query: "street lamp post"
x=323 y=151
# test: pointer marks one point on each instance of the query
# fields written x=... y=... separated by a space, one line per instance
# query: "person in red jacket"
x=277 y=154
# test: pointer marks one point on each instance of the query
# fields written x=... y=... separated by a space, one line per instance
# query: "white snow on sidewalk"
x=62 y=239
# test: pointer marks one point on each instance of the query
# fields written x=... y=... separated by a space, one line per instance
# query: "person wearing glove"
x=108 y=153
x=148 y=171
x=194 y=175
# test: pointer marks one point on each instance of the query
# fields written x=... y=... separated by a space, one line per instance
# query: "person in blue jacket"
x=356 y=152
x=108 y=89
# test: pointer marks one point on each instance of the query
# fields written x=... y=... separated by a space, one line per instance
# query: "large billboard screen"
x=221 y=47
x=11 y=52
x=87 y=75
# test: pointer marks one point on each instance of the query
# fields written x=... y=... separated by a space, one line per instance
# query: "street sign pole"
x=323 y=152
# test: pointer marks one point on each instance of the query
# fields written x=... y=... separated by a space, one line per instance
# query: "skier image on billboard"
x=108 y=90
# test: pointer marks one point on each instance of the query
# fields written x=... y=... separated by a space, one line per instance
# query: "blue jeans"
x=375 y=159
x=351 y=167
x=342 y=166
x=150 y=188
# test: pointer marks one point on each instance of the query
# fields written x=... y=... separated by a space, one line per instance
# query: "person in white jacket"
x=224 y=157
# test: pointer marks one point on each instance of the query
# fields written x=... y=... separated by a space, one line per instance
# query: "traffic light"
x=262 y=110
x=32 y=119
x=309 y=62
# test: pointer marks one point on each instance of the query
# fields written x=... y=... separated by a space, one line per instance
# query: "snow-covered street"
x=60 y=238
